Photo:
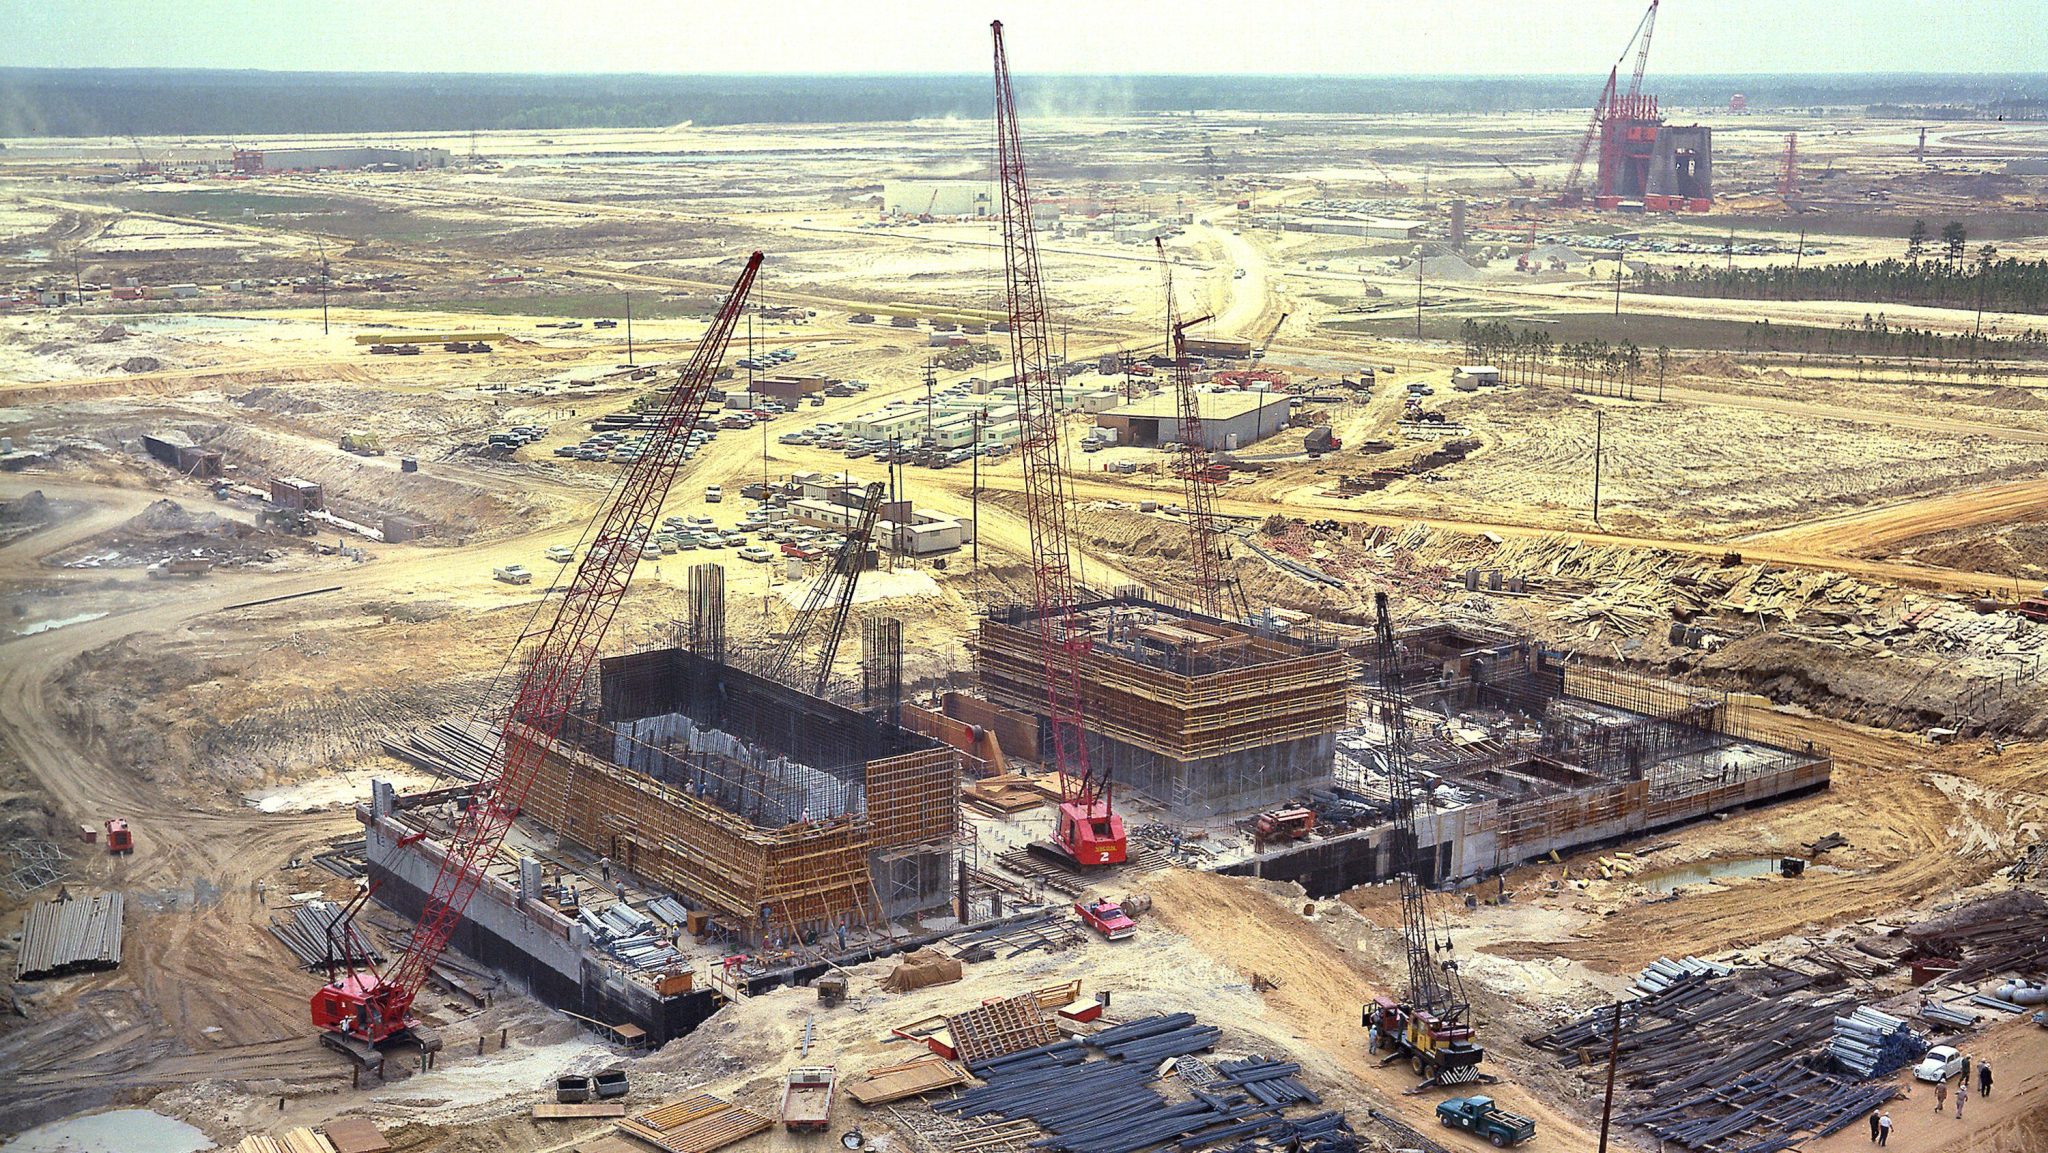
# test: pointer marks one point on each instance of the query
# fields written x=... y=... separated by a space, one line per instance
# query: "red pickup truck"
x=1106 y=918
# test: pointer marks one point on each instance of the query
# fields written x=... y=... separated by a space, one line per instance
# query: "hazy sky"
x=1094 y=36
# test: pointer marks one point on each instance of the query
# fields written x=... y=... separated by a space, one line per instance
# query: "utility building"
x=1230 y=420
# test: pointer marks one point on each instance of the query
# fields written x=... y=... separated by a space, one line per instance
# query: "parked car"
x=1481 y=1118
x=1942 y=1063
x=1106 y=918
x=513 y=574
x=561 y=553
x=754 y=552
x=714 y=494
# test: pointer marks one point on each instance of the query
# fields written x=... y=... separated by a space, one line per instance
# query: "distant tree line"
x=1915 y=351
x=121 y=101
x=1949 y=276
x=1530 y=356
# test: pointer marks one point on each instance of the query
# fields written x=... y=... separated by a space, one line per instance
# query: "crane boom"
x=1642 y=38
x=835 y=586
x=1434 y=1025
x=1088 y=830
x=1219 y=595
x=370 y=1007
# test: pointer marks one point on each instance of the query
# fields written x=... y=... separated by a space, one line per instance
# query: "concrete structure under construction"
x=1648 y=164
x=255 y=161
x=937 y=197
x=1230 y=420
x=1199 y=715
x=1522 y=754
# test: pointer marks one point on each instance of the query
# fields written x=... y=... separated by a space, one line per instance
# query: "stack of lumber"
x=70 y=936
x=1007 y=793
x=290 y=1141
x=912 y=1078
x=698 y=1123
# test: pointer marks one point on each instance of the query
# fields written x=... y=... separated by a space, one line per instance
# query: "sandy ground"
x=228 y=735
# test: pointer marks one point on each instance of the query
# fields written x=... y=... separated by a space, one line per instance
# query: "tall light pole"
x=1598 y=423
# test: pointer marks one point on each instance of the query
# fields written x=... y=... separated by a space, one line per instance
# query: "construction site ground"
x=234 y=728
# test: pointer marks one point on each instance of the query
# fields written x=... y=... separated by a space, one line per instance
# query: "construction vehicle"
x=807 y=1098
x=363 y=1006
x=1218 y=593
x=1432 y=1027
x=1284 y=825
x=1087 y=830
x=361 y=443
x=1107 y=918
x=119 y=840
x=2033 y=608
x=1320 y=440
x=1522 y=179
x=1480 y=1117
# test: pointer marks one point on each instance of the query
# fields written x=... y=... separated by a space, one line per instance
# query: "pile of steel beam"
x=630 y=936
x=1110 y=1105
x=70 y=936
x=1762 y=1112
x=319 y=931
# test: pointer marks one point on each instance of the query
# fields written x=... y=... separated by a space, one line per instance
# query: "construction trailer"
x=1199 y=715
x=781 y=814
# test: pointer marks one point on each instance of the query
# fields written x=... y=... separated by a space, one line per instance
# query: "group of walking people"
x=1881 y=1120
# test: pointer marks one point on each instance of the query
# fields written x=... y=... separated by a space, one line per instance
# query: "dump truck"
x=807 y=1098
x=1481 y=1118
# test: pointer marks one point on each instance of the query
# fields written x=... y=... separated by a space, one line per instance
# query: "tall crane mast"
x=1642 y=39
x=1219 y=593
x=1609 y=98
x=1433 y=1027
x=361 y=1007
x=1088 y=830
x=835 y=587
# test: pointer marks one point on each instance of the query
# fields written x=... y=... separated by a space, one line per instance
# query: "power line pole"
x=931 y=378
x=1598 y=423
x=629 y=330
x=1418 y=294
x=1620 y=260
x=323 y=288
x=1613 y=1051
x=974 y=490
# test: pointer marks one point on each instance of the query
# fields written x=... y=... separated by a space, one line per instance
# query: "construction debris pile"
x=70 y=935
x=1997 y=935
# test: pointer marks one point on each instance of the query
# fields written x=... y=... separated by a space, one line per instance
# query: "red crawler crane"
x=1088 y=830
x=1610 y=106
x=1220 y=594
x=361 y=1007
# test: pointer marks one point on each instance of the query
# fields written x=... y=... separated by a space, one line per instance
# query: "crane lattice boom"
x=1088 y=829
x=834 y=586
x=1220 y=596
x=370 y=1006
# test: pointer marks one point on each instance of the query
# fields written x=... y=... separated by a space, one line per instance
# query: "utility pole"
x=1620 y=259
x=629 y=330
x=1613 y=1051
x=1598 y=422
x=931 y=378
x=323 y=287
x=1418 y=294
x=1796 y=258
x=974 y=490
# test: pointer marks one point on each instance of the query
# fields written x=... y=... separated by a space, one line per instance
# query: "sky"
x=1116 y=37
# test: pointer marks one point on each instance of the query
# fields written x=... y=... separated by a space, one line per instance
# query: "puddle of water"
x=1665 y=880
x=322 y=792
x=60 y=622
x=121 y=1131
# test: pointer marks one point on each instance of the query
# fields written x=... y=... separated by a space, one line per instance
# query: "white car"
x=1942 y=1063
x=561 y=553
x=754 y=552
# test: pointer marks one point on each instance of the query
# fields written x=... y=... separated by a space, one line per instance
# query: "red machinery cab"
x=1090 y=834
x=119 y=839
x=361 y=1006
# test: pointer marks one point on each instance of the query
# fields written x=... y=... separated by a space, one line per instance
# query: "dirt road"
x=2014 y=1119
x=1871 y=531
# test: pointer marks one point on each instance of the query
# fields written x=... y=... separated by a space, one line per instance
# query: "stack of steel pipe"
x=69 y=936
x=1272 y=1082
x=1156 y=1038
x=312 y=930
x=1872 y=1044
x=1949 y=1015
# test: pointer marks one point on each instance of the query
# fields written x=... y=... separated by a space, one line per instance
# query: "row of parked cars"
x=678 y=534
x=834 y=437
x=621 y=447
x=775 y=359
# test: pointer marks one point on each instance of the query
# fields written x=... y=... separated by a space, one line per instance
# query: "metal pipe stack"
x=1870 y=1044
x=1665 y=972
x=70 y=936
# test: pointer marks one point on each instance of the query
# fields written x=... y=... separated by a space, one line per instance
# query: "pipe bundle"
x=1870 y=1044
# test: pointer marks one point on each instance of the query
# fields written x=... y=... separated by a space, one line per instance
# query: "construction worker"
x=1372 y=1038
x=1984 y=1080
x=1940 y=1096
x=1962 y=1095
x=1884 y=1129
x=604 y=868
x=1873 y=1126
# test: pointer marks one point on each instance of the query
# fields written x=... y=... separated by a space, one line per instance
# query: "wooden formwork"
x=1178 y=716
x=914 y=798
x=807 y=875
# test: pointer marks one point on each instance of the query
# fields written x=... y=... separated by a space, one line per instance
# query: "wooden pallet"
x=1001 y=1027
x=696 y=1124
x=920 y=1075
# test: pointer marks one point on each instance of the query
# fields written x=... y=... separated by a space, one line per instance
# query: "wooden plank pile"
x=915 y=1077
x=1001 y=1028
x=1004 y=794
x=290 y=1141
x=698 y=1123
x=70 y=936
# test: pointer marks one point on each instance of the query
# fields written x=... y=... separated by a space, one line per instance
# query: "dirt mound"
x=1448 y=268
x=2007 y=396
x=32 y=507
x=110 y=334
x=278 y=400
x=170 y=516
x=1718 y=366
x=141 y=364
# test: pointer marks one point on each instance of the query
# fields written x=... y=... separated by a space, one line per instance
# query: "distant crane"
x=1218 y=592
x=1088 y=830
x=1522 y=179
x=835 y=585
x=1608 y=101
x=1392 y=184
x=362 y=1006
x=1788 y=171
